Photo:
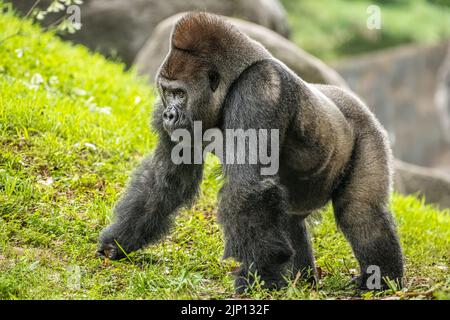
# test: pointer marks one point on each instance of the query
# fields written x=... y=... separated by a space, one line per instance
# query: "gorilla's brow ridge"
x=166 y=77
x=187 y=51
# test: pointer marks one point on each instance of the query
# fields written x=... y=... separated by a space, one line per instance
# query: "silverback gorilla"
x=331 y=148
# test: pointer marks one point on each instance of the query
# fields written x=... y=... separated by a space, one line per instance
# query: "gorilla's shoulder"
x=264 y=79
x=267 y=74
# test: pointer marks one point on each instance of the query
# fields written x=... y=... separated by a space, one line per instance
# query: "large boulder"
x=308 y=67
x=442 y=99
x=433 y=184
x=399 y=85
x=122 y=26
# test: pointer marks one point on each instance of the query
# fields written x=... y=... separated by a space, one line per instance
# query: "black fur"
x=332 y=148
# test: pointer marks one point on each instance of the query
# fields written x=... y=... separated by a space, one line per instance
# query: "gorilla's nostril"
x=170 y=116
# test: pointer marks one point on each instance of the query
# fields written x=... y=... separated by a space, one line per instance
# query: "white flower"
x=137 y=100
x=19 y=53
x=53 y=80
x=104 y=110
x=79 y=92
x=46 y=182
x=36 y=80
x=90 y=146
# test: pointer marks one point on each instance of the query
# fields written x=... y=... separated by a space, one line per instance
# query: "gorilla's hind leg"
x=303 y=259
x=360 y=207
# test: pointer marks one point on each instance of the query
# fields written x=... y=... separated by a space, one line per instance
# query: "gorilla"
x=331 y=148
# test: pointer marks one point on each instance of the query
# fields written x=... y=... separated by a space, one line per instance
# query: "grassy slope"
x=63 y=163
x=331 y=29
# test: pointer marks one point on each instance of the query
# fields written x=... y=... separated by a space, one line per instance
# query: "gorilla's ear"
x=214 y=79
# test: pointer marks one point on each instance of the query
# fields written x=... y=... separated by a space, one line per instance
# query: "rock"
x=399 y=85
x=308 y=67
x=121 y=27
x=431 y=183
x=442 y=99
x=23 y=6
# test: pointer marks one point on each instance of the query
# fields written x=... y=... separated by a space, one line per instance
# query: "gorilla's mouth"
x=181 y=122
x=170 y=127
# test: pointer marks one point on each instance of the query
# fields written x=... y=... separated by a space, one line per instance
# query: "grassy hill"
x=72 y=126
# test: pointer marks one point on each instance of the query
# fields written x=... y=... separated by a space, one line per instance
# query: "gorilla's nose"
x=170 y=116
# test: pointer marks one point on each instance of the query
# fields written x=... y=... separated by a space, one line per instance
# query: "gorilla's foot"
x=245 y=281
x=362 y=282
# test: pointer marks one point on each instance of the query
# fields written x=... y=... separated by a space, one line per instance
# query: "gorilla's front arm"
x=145 y=211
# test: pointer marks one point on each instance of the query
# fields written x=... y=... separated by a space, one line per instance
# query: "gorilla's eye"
x=180 y=94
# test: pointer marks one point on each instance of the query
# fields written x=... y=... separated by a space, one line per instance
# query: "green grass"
x=331 y=29
x=64 y=160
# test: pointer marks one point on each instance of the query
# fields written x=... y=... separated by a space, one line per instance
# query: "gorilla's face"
x=187 y=85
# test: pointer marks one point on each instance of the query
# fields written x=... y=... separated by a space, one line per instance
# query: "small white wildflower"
x=76 y=26
x=137 y=100
x=93 y=107
x=79 y=92
x=55 y=6
x=104 y=110
x=353 y=271
x=36 y=80
x=442 y=267
x=53 y=80
x=19 y=53
x=33 y=265
x=41 y=15
x=46 y=182
x=90 y=146
x=90 y=102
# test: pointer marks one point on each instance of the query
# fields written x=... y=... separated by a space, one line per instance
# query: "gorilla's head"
x=199 y=69
x=187 y=85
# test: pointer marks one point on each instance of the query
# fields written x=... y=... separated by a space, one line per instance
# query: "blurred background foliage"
x=331 y=29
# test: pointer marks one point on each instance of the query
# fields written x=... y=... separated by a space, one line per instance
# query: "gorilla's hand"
x=108 y=247
x=245 y=279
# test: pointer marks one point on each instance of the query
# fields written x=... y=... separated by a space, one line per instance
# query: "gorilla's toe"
x=240 y=285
